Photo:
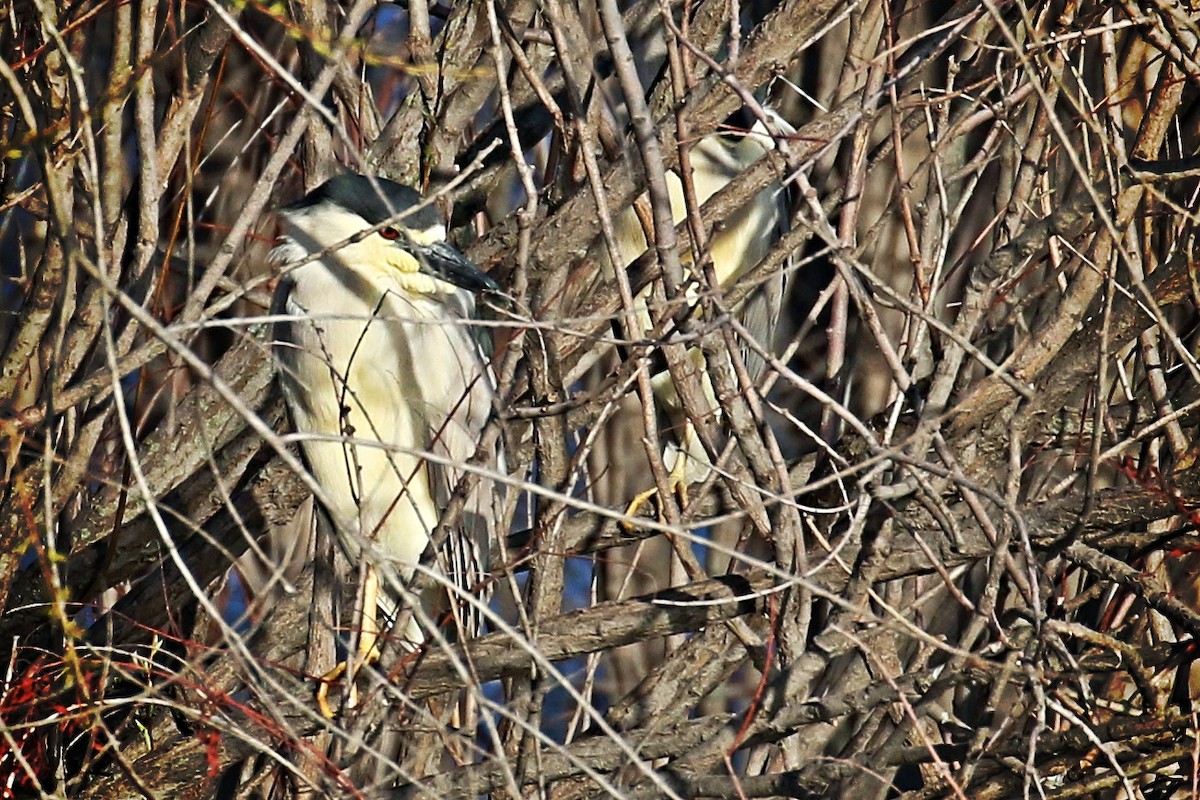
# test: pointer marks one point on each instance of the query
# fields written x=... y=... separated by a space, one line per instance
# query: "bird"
x=745 y=239
x=388 y=386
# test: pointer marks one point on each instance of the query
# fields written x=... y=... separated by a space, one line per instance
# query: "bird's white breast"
x=377 y=386
x=738 y=245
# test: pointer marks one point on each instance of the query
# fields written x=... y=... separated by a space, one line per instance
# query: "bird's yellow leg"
x=365 y=652
x=677 y=481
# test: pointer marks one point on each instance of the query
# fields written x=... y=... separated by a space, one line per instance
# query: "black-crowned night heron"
x=387 y=385
x=740 y=243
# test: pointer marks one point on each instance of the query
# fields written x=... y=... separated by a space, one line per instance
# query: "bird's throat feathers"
x=378 y=261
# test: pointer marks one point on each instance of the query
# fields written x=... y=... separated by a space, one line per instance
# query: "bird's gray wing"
x=283 y=334
x=762 y=308
x=466 y=550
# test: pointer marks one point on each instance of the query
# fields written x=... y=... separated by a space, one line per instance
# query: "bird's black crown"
x=374 y=200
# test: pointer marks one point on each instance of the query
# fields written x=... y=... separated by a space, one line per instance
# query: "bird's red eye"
x=391 y=234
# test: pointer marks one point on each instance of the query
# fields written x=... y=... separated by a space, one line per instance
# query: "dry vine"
x=949 y=547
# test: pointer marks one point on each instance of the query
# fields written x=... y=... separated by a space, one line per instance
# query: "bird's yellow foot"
x=677 y=482
x=323 y=690
x=366 y=652
x=343 y=667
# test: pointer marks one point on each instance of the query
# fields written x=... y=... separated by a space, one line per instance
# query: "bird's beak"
x=444 y=262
